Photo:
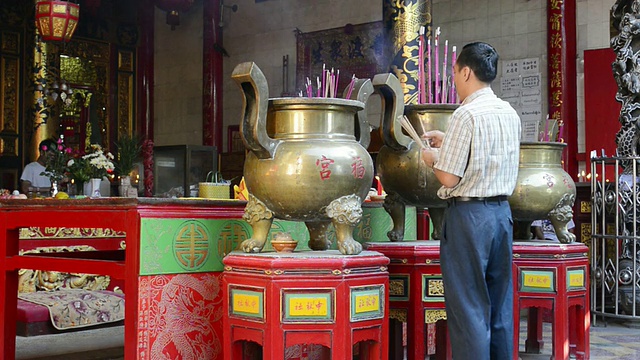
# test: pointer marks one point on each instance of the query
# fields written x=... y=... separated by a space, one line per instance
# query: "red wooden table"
x=416 y=296
x=552 y=276
x=117 y=214
x=279 y=301
x=137 y=268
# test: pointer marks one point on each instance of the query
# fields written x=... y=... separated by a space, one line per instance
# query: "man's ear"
x=466 y=73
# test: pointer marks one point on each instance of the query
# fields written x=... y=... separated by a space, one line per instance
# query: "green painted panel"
x=375 y=224
x=173 y=246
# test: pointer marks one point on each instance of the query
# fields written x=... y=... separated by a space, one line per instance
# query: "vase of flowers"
x=56 y=163
x=128 y=153
x=92 y=167
x=79 y=172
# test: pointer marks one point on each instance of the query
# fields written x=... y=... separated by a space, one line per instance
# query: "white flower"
x=70 y=162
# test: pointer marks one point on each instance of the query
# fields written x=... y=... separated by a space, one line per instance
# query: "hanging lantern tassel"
x=57 y=20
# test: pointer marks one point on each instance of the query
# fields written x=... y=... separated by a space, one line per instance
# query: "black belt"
x=488 y=199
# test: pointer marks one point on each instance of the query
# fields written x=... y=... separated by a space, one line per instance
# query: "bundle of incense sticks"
x=327 y=84
x=442 y=85
x=406 y=125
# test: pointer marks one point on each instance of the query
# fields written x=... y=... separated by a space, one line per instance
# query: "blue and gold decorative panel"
x=246 y=303
x=367 y=303
x=537 y=280
x=303 y=306
x=576 y=279
x=432 y=288
x=399 y=287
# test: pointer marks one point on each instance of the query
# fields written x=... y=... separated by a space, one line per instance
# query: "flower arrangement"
x=79 y=169
x=56 y=160
x=128 y=148
x=100 y=163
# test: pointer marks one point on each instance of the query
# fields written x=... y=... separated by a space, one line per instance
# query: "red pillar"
x=212 y=75
x=561 y=83
x=146 y=11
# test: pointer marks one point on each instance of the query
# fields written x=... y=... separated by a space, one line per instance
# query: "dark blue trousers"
x=475 y=255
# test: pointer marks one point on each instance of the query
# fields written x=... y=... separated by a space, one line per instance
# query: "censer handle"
x=390 y=90
x=362 y=89
x=255 y=104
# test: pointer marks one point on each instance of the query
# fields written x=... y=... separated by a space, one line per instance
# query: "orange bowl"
x=284 y=246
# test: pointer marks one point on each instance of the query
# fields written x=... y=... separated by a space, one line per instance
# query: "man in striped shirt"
x=476 y=162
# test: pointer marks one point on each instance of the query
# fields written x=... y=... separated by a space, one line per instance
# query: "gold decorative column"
x=403 y=19
x=44 y=125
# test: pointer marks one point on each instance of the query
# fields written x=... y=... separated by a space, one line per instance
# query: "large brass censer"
x=543 y=190
x=304 y=162
x=405 y=177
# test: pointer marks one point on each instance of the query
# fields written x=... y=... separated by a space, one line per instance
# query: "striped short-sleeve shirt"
x=482 y=147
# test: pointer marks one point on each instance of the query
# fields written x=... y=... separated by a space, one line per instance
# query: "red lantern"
x=57 y=20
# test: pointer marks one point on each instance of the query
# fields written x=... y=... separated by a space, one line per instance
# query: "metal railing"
x=615 y=238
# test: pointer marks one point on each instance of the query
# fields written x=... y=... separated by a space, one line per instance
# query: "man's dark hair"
x=480 y=57
x=48 y=144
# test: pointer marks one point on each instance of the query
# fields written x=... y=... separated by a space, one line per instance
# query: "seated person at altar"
x=543 y=229
x=31 y=180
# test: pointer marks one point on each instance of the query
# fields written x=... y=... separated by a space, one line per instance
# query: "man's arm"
x=24 y=186
x=430 y=157
x=446 y=179
x=537 y=232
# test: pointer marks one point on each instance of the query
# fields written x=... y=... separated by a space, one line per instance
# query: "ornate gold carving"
x=78 y=71
x=435 y=287
x=256 y=210
x=34 y=280
x=36 y=233
x=404 y=19
x=125 y=60
x=125 y=103
x=398 y=314
x=94 y=57
x=396 y=287
x=432 y=316
x=345 y=210
x=8 y=146
x=10 y=43
x=585 y=233
x=585 y=207
x=10 y=68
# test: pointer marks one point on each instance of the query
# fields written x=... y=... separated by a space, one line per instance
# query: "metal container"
x=404 y=176
x=543 y=190
x=304 y=161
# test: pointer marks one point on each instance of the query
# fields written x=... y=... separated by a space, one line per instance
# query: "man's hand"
x=430 y=156
x=434 y=138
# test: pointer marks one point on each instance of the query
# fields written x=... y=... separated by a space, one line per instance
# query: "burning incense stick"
x=421 y=94
x=350 y=86
x=444 y=73
x=428 y=99
x=452 y=90
x=437 y=75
